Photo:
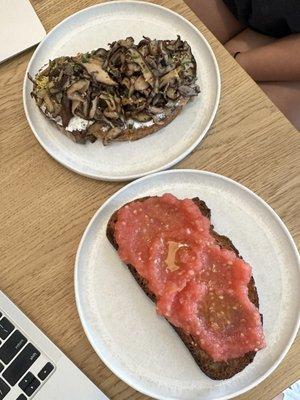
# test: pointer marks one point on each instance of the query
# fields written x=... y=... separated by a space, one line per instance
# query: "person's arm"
x=216 y=17
x=277 y=61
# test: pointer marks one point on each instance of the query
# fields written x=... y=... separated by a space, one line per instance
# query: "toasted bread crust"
x=214 y=369
x=139 y=133
x=128 y=135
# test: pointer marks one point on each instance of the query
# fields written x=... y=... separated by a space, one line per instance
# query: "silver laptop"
x=31 y=366
x=20 y=27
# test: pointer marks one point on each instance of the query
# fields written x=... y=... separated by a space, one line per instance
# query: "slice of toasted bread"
x=215 y=370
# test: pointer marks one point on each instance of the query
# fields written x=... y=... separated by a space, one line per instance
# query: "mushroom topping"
x=131 y=68
x=139 y=59
x=156 y=110
x=117 y=88
x=93 y=108
x=172 y=93
x=77 y=93
x=153 y=47
x=94 y=68
x=76 y=89
x=111 y=114
x=75 y=105
x=170 y=77
x=188 y=91
x=126 y=82
x=140 y=84
x=141 y=117
x=48 y=102
x=128 y=42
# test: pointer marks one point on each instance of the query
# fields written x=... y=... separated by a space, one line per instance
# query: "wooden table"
x=45 y=208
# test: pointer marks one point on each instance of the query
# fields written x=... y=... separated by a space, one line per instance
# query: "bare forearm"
x=278 y=61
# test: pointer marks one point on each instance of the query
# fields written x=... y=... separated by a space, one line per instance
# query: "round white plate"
x=95 y=27
x=121 y=323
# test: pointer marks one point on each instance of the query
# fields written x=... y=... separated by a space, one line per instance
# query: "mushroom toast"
x=124 y=93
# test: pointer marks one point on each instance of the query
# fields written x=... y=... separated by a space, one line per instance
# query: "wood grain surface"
x=45 y=207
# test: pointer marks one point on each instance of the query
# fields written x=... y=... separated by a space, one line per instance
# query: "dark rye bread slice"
x=214 y=369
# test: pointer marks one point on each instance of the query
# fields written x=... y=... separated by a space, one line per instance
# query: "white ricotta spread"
x=136 y=124
x=78 y=124
x=75 y=124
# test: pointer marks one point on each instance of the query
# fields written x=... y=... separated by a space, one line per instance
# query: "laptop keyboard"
x=17 y=357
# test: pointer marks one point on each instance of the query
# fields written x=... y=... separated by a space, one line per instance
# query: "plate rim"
x=124 y=178
x=78 y=296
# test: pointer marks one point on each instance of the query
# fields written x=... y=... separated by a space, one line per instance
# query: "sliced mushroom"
x=126 y=82
x=170 y=77
x=158 y=100
x=102 y=53
x=75 y=105
x=127 y=101
x=139 y=104
x=164 y=69
x=152 y=63
x=172 y=93
x=117 y=59
x=85 y=108
x=128 y=42
x=111 y=114
x=142 y=117
x=139 y=59
x=131 y=68
x=69 y=69
x=144 y=50
x=94 y=68
x=48 y=103
x=153 y=47
x=107 y=121
x=113 y=48
x=80 y=86
x=109 y=100
x=132 y=86
x=145 y=40
x=93 y=108
x=165 y=57
x=188 y=91
x=173 y=45
x=141 y=84
x=155 y=110
x=146 y=92
x=76 y=93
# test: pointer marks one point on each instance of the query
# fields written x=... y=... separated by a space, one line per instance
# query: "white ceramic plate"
x=96 y=27
x=121 y=323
